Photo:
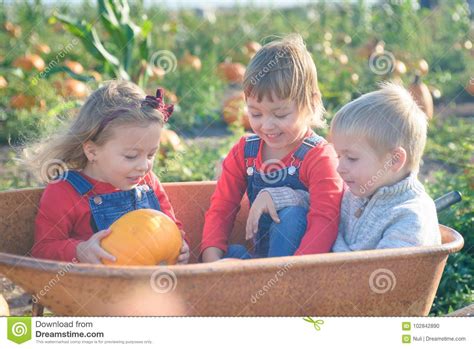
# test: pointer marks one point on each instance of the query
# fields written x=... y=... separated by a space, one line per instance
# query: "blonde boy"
x=379 y=139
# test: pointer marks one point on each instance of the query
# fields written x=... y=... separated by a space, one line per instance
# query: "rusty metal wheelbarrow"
x=389 y=282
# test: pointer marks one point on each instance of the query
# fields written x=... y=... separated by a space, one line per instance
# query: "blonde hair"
x=387 y=118
x=116 y=103
x=284 y=68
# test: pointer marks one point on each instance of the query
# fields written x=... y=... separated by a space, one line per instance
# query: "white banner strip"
x=239 y=333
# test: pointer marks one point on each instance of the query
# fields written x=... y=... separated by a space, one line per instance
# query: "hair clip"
x=158 y=104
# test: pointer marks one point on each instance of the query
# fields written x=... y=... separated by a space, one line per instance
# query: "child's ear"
x=398 y=159
x=90 y=150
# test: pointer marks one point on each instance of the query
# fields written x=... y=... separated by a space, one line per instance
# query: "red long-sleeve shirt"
x=317 y=172
x=63 y=219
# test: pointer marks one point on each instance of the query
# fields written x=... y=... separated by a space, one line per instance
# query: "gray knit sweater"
x=399 y=215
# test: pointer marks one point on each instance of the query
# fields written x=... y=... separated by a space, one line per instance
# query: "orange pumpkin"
x=3 y=82
x=22 y=101
x=4 y=309
x=423 y=67
x=71 y=88
x=191 y=61
x=232 y=72
x=422 y=96
x=252 y=48
x=169 y=141
x=470 y=87
x=29 y=62
x=12 y=29
x=96 y=75
x=399 y=68
x=75 y=67
x=143 y=237
x=42 y=49
x=235 y=110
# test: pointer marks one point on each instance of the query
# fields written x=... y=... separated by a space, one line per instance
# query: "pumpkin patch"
x=143 y=237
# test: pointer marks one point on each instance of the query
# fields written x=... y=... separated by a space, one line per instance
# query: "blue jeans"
x=275 y=239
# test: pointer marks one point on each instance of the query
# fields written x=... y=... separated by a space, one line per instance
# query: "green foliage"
x=124 y=49
x=450 y=144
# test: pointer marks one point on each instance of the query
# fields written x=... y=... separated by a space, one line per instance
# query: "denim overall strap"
x=107 y=208
x=308 y=144
x=78 y=182
x=284 y=177
x=252 y=144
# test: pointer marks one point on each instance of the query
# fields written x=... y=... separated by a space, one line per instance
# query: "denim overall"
x=107 y=208
x=275 y=239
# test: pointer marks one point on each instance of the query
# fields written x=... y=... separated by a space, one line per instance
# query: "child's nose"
x=340 y=167
x=142 y=165
x=268 y=124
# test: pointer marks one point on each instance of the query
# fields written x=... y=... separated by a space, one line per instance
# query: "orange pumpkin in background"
x=74 y=66
x=252 y=48
x=22 y=101
x=71 y=88
x=42 y=49
x=231 y=72
x=29 y=62
x=235 y=110
x=422 y=96
x=143 y=237
x=170 y=141
x=191 y=61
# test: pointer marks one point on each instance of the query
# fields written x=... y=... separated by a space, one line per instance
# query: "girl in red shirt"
x=102 y=169
x=283 y=98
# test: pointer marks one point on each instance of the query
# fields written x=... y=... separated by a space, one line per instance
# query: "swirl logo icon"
x=382 y=63
x=273 y=171
x=165 y=60
x=382 y=281
x=53 y=171
x=163 y=281
x=19 y=329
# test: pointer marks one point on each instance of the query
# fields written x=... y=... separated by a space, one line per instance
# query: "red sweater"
x=317 y=172
x=63 y=219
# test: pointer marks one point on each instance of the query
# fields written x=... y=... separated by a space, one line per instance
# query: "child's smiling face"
x=361 y=167
x=125 y=158
x=279 y=122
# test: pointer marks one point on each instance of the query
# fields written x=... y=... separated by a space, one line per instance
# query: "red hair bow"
x=158 y=104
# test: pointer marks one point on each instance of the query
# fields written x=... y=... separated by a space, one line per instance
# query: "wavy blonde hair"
x=116 y=103
x=284 y=68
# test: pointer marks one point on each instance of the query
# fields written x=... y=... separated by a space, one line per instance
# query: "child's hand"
x=90 y=251
x=184 y=253
x=263 y=204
